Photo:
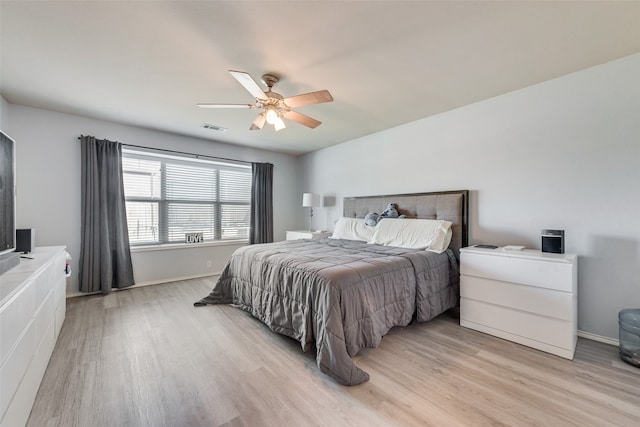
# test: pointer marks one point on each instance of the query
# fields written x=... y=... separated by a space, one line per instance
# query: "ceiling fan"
x=274 y=106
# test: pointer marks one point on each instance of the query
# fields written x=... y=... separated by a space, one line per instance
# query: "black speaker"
x=25 y=240
x=553 y=241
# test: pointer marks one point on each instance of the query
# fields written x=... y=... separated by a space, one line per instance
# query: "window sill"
x=174 y=246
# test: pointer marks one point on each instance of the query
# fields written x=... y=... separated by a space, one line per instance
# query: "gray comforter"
x=340 y=295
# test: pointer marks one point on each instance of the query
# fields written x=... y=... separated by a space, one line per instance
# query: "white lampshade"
x=272 y=115
x=278 y=124
x=310 y=200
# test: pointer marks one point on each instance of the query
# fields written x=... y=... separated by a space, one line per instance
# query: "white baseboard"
x=173 y=279
x=148 y=283
x=599 y=338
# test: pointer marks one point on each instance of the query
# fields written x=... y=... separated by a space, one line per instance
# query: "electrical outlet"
x=209 y=264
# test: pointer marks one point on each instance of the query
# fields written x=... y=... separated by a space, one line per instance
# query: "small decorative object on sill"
x=193 y=238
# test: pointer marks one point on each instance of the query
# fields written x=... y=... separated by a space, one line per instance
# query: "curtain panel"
x=105 y=255
x=261 y=203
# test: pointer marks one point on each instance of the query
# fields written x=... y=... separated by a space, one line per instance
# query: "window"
x=168 y=196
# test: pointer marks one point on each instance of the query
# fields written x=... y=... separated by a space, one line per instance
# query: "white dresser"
x=527 y=296
x=32 y=309
x=302 y=234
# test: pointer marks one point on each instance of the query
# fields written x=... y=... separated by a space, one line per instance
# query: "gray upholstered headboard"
x=446 y=205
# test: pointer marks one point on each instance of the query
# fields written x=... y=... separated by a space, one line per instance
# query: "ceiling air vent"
x=214 y=127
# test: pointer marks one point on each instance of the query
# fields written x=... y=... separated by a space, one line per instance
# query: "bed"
x=341 y=295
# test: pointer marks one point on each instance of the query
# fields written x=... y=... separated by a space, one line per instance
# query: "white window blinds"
x=168 y=196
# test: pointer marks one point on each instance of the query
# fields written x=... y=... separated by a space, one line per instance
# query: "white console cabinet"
x=527 y=296
x=32 y=309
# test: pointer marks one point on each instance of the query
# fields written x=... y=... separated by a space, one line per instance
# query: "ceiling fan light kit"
x=274 y=106
x=272 y=117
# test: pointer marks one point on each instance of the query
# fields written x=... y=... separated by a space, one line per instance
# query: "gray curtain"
x=261 y=203
x=105 y=256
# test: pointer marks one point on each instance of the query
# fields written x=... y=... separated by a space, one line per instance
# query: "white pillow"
x=430 y=234
x=352 y=229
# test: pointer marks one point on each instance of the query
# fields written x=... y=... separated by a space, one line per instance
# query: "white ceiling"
x=386 y=63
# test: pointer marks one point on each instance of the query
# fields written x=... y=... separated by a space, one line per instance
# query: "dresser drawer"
x=16 y=364
x=15 y=317
x=531 y=327
x=548 y=274
x=536 y=300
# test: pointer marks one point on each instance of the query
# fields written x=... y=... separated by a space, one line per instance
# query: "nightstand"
x=529 y=297
x=305 y=234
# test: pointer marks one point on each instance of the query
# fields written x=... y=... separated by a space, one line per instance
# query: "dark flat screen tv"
x=7 y=194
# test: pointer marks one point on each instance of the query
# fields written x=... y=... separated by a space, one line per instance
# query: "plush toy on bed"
x=373 y=218
x=390 y=212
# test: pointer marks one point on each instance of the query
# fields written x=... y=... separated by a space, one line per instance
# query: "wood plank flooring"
x=147 y=357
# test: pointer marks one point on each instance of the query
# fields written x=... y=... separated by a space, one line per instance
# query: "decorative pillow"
x=429 y=234
x=352 y=229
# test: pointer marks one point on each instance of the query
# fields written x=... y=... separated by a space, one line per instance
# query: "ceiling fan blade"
x=308 y=99
x=258 y=123
x=249 y=84
x=301 y=118
x=226 y=106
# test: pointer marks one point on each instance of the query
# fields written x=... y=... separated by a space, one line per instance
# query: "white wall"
x=563 y=154
x=48 y=181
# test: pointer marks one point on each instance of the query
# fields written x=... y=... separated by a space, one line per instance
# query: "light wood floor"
x=147 y=357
